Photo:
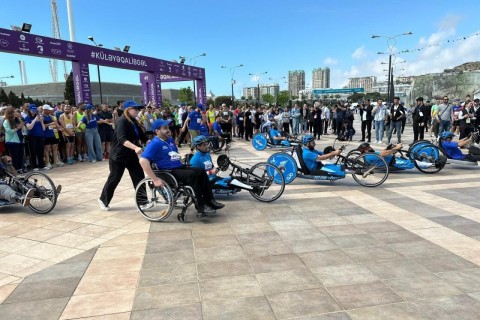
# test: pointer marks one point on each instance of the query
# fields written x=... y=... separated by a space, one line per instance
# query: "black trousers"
x=248 y=132
x=15 y=151
x=325 y=126
x=241 y=130
x=367 y=125
x=418 y=131
x=286 y=127
x=317 y=129
x=196 y=178
x=116 y=172
x=36 y=145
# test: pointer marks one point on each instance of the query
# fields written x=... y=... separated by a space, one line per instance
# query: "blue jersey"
x=274 y=133
x=204 y=130
x=217 y=127
x=310 y=158
x=163 y=153
x=203 y=161
x=452 y=150
x=37 y=130
x=48 y=133
x=195 y=120
x=92 y=122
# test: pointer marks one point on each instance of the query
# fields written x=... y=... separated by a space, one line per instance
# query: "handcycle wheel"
x=45 y=196
x=287 y=165
x=154 y=203
x=259 y=141
x=369 y=170
x=351 y=156
x=429 y=159
x=417 y=144
x=267 y=180
x=221 y=144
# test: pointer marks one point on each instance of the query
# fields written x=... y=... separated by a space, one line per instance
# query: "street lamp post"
x=391 y=41
x=194 y=59
x=98 y=70
x=232 y=81
x=6 y=77
x=275 y=82
x=257 y=75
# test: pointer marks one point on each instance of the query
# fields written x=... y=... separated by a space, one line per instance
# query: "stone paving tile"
x=453 y=221
x=243 y=308
x=276 y=263
x=465 y=280
x=325 y=258
x=288 y=280
x=374 y=253
x=399 y=236
x=445 y=263
x=418 y=249
x=223 y=269
x=168 y=258
x=166 y=296
x=396 y=269
x=300 y=234
x=328 y=316
x=320 y=244
x=183 y=312
x=443 y=308
x=42 y=290
x=98 y=283
x=50 y=309
x=258 y=237
x=230 y=288
x=167 y=274
x=292 y=304
x=266 y=249
x=364 y=295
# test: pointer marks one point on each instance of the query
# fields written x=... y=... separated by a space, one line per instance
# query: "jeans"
x=395 y=125
x=444 y=126
x=295 y=125
x=94 y=145
x=379 y=128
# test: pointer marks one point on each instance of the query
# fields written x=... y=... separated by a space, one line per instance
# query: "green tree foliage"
x=356 y=97
x=283 y=97
x=268 y=98
x=210 y=101
x=3 y=96
x=223 y=99
x=186 y=95
x=69 y=93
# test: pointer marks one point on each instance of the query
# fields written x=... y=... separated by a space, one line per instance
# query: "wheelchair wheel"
x=417 y=144
x=45 y=196
x=267 y=181
x=287 y=165
x=154 y=203
x=369 y=170
x=429 y=159
x=221 y=144
x=259 y=141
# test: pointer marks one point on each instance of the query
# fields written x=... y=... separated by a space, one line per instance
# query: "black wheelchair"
x=46 y=193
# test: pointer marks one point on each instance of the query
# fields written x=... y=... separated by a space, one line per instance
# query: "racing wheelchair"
x=45 y=195
x=368 y=172
x=474 y=142
x=263 y=140
x=264 y=181
x=426 y=158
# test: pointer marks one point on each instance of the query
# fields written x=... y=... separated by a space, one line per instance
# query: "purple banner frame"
x=82 y=55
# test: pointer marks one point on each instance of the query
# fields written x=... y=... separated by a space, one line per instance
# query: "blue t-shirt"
x=203 y=161
x=217 y=127
x=274 y=133
x=195 y=120
x=452 y=150
x=37 y=130
x=310 y=158
x=204 y=130
x=92 y=123
x=48 y=133
x=163 y=153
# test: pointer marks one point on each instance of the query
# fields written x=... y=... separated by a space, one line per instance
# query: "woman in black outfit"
x=126 y=146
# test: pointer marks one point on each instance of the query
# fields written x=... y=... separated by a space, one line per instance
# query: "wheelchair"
x=46 y=193
x=466 y=163
x=368 y=172
x=216 y=144
x=263 y=140
x=157 y=203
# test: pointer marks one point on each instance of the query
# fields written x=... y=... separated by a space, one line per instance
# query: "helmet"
x=198 y=140
x=446 y=135
x=364 y=147
x=307 y=138
x=328 y=149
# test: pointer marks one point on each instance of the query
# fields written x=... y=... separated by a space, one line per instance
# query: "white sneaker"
x=85 y=156
x=47 y=167
x=93 y=161
x=146 y=206
x=36 y=169
x=80 y=158
x=103 y=206
x=59 y=164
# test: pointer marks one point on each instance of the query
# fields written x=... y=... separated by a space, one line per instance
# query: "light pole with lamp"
x=257 y=75
x=391 y=41
x=5 y=77
x=194 y=84
x=232 y=81
x=275 y=82
x=98 y=70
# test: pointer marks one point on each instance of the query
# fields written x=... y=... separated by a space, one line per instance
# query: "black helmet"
x=365 y=147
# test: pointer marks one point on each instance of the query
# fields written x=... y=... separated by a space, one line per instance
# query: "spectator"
x=366 y=116
x=105 y=129
x=80 y=133
x=380 y=114
x=248 y=123
x=194 y=119
x=94 y=144
x=51 y=141
x=67 y=122
x=36 y=138
x=419 y=117
x=397 y=112
x=466 y=119
x=13 y=144
x=296 y=119
x=445 y=115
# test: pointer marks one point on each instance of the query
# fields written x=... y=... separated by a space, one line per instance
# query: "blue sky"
x=273 y=36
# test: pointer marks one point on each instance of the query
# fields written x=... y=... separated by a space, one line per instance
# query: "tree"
x=282 y=97
x=210 y=101
x=186 y=95
x=13 y=99
x=250 y=97
x=268 y=98
x=3 y=96
x=69 y=93
x=243 y=98
x=223 y=99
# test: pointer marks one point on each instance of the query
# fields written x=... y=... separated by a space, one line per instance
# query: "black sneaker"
x=215 y=205
x=205 y=211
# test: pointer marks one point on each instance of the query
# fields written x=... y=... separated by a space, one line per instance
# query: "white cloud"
x=359 y=53
x=254 y=78
x=330 y=61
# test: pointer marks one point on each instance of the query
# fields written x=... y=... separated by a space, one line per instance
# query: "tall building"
x=362 y=82
x=250 y=92
x=272 y=89
x=296 y=82
x=321 y=78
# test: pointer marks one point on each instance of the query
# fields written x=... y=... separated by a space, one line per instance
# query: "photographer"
x=36 y=139
x=13 y=144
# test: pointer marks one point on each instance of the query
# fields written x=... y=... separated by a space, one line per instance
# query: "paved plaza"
x=409 y=249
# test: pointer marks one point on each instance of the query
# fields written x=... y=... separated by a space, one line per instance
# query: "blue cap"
x=183 y=104
x=32 y=107
x=157 y=124
x=88 y=107
x=132 y=104
x=200 y=106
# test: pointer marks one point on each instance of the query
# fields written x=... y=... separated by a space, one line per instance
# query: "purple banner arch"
x=82 y=55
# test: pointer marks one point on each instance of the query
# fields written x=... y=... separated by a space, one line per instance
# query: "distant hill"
x=469 y=66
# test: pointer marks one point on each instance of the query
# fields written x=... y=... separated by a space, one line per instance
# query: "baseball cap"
x=157 y=124
x=200 y=106
x=88 y=107
x=132 y=104
x=47 y=107
x=32 y=107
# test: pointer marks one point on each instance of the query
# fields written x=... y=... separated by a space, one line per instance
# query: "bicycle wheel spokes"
x=154 y=203
x=267 y=181
x=370 y=170
x=45 y=196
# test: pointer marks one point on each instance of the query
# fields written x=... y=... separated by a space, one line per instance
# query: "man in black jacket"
x=419 y=115
x=397 y=112
x=366 y=116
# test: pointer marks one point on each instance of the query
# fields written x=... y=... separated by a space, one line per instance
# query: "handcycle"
x=263 y=180
x=426 y=158
x=368 y=172
x=45 y=195
x=263 y=140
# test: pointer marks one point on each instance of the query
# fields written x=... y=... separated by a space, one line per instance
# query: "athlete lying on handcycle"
x=276 y=136
x=313 y=158
x=8 y=195
x=452 y=148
